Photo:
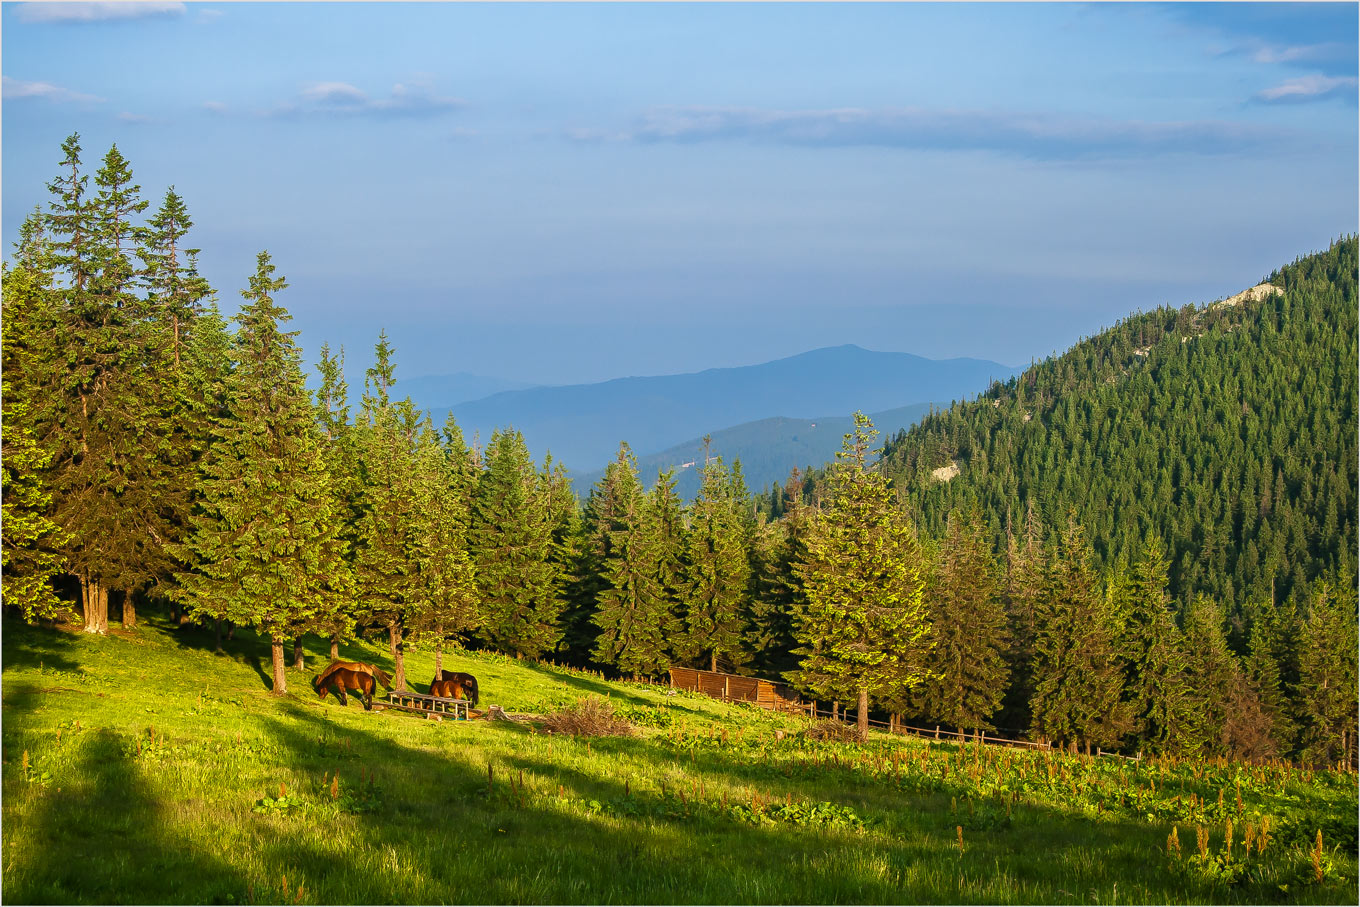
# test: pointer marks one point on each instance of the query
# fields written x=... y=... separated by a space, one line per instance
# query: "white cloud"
x=14 y=89
x=1029 y=135
x=1299 y=53
x=1310 y=88
x=344 y=99
x=215 y=106
x=334 y=93
x=135 y=118
x=95 y=12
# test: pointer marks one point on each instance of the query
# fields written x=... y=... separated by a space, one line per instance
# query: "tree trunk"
x=95 y=600
x=280 y=678
x=335 y=648
x=398 y=643
x=87 y=603
x=862 y=714
x=299 y=661
x=439 y=651
x=129 y=612
x=217 y=629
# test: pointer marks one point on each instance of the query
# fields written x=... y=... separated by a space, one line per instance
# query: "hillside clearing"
x=141 y=767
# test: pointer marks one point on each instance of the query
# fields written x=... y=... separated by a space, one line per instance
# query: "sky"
x=563 y=193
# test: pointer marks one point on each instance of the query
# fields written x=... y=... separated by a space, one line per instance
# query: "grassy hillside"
x=1229 y=429
x=143 y=768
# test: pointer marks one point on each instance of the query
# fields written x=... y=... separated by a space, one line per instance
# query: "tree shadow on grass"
x=33 y=646
x=95 y=833
x=249 y=648
x=447 y=832
x=587 y=685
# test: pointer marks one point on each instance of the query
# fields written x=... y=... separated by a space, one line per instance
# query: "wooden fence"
x=736 y=688
x=894 y=725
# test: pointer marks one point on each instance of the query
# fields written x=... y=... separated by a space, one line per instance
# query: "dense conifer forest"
x=1149 y=545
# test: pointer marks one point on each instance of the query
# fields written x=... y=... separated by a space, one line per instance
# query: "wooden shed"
x=735 y=688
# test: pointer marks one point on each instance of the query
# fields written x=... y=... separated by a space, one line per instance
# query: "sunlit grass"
x=155 y=771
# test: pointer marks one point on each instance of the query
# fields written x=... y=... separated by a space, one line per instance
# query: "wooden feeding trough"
x=767 y=694
x=430 y=706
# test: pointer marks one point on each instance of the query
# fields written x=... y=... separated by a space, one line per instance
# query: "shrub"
x=832 y=730
x=592 y=717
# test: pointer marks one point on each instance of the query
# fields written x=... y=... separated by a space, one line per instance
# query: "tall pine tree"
x=863 y=630
x=717 y=573
x=263 y=546
x=967 y=667
x=1077 y=679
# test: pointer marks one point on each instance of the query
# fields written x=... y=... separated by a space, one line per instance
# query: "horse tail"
x=383 y=676
x=472 y=691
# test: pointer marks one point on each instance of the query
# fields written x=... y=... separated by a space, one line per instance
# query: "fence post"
x=937 y=732
x=725 y=681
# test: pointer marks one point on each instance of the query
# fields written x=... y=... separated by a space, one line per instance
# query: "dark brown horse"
x=337 y=679
x=456 y=685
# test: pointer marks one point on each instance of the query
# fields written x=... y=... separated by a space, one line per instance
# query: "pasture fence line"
x=894 y=725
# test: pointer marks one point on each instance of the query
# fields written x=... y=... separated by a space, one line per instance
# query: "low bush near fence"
x=591 y=717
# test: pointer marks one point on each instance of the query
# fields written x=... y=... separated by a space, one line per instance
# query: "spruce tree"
x=263 y=547
x=386 y=550
x=1327 y=674
x=604 y=514
x=1154 y=654
x=634 y=611
x=32 y=542
x=1272 y=647
x=337 y=436
x=966 y=664
x=512 y=543
x=717 y=574
x=1211 y=669
x=559 y=512
x=175 y=289
x=663 y=508
x=446 y=604
x=1027 y=565
x=776 y=547
x=863 y=631
x=1077 y=679
x=98 y=417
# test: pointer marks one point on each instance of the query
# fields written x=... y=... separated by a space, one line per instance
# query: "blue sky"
x=559 y=193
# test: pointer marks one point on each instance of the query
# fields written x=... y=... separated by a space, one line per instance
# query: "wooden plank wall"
x=734 y=687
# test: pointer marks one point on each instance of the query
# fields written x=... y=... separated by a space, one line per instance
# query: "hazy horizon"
x=563 y=194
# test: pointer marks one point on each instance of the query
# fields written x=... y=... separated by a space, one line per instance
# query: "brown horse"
x=362 y=668
x=455 y=685
x=341 y=679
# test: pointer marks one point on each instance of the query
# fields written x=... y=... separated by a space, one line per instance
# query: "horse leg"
x=368 y=695
x=340 y=694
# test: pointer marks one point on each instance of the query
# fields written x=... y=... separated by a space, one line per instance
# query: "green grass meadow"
x=142 y=768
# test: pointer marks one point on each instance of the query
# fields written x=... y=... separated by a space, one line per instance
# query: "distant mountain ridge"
x=768 y=449
x=436 y=391
x=583 y=424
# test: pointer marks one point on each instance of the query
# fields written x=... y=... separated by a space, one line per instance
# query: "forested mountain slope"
x=1230 y=429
